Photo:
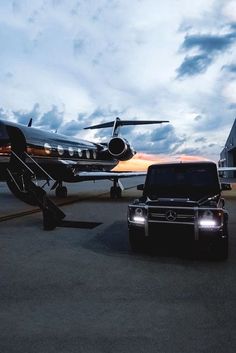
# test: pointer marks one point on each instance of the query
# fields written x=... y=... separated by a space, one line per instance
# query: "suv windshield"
x=193 y=181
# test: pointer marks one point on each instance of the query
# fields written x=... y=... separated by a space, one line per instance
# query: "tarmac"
x=83 y=290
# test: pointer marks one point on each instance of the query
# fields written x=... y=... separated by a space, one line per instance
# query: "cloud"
x=209 y=43
x=4 y=115
x=23 y=117
x=141 y=161
x=190 y=151
x=214 y=112
x=85 y=64
x=193 y=65
x=98 y=116
x=187 y=157
x=232 y=106
x=163 y=139
x=200 y=139
x=229 y=10
x=230 y=68
x=16 y=6
x=208 y=47
x=50 y=120
x=198 y=117
x=74 y=126
x=9 y=75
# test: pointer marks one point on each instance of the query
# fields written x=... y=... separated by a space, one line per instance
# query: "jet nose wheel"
x=115 y=192
x=61 y=191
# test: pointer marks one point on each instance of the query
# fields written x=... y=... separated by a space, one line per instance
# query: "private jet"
x=30 y=154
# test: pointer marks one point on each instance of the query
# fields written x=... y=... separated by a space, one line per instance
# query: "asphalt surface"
x=80 y=290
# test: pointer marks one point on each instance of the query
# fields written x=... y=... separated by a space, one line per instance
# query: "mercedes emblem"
x=171 y=215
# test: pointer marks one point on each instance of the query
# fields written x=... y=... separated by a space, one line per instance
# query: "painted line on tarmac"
x=62 y=203
x=36 y=210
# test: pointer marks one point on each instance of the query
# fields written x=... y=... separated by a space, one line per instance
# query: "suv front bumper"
x=191 y=223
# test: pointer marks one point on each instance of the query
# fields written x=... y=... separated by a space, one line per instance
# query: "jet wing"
x=107 y=175
x=225 y=169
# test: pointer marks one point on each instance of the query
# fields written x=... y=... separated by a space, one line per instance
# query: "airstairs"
x=22 y=182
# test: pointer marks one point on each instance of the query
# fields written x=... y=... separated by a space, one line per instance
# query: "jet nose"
x=4 y=137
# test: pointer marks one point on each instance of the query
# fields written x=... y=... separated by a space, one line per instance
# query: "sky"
x=70 y=64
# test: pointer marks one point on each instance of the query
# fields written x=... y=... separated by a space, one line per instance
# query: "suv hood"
x=183 y=202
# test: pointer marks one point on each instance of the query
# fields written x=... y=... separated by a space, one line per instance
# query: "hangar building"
x=228 y=154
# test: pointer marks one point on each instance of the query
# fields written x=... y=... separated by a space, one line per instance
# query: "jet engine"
x=120 y=148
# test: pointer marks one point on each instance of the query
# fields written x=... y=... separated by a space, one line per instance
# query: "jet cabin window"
x=71 y=151
x=47 y=148
x=60 y=150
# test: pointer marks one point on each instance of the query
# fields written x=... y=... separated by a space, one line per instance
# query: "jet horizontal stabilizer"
x=117 y=123
x=125 y=123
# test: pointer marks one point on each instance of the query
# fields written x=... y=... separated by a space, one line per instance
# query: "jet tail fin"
x=117 y=123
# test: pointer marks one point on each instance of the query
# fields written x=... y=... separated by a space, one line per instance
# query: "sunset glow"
x=141 y=161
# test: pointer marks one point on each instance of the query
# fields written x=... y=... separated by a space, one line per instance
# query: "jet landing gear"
x=116 y=190
x=60 y=190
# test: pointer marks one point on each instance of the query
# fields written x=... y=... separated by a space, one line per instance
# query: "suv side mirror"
x=226 y=186
x=140 y=187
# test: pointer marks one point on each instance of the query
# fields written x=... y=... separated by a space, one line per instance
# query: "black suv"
x=181 y=201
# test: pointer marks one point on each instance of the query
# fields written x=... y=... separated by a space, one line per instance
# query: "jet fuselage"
x=60 y=156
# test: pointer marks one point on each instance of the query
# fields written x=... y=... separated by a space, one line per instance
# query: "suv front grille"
x=171 y=215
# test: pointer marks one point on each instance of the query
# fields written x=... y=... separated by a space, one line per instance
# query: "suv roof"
x=180 y=163
x=192 y=180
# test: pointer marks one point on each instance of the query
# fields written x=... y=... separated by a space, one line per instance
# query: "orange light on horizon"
x=141 y=161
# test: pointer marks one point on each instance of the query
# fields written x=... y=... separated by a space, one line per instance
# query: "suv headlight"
x=138 y=215
x=210 y=219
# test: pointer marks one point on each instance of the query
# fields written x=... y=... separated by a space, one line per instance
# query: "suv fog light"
x=139 y=219
x=207 y=223
x=138 y=216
